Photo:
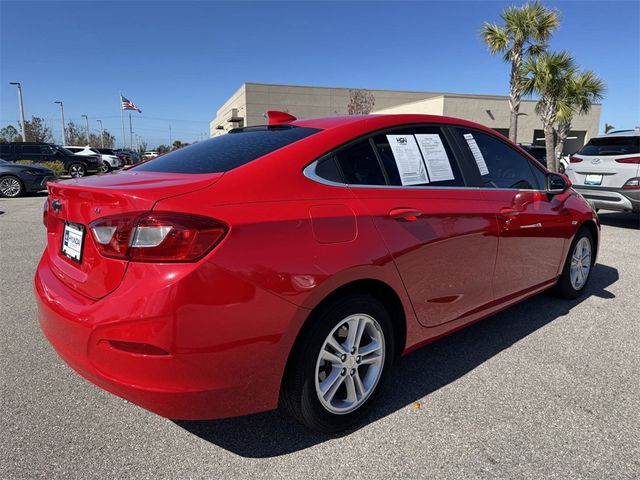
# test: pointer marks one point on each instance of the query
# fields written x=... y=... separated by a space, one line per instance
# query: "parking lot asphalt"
x=546 y=389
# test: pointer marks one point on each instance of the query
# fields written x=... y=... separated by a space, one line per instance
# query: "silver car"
x=606 y=171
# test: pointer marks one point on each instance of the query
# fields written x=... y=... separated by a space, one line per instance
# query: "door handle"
x=408 y=214
x=509 y=213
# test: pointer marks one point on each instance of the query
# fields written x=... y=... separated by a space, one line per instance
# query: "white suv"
x=606 y=171
x=110 y=162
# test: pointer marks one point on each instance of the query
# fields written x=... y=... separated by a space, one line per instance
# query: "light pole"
x=87 y=120
x=24 y=133
x=64 y=135
x=101 y=133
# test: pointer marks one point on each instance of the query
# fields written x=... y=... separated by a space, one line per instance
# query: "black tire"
x=105 y=168
x=299 y=396
x=77 y=170
x=11 y=186
x=565 y=288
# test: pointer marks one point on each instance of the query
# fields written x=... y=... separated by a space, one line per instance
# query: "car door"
x=31 y=152
x=534 y=226
x=442 y=236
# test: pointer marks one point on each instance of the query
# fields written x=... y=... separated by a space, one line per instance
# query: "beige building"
x=247 y=106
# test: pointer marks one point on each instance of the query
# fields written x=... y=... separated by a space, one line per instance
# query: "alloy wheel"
x=76 y=171
x=580 y=263
x=350 y=364
x=10 y=187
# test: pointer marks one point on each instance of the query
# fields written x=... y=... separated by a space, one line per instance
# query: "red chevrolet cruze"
x=289 y=264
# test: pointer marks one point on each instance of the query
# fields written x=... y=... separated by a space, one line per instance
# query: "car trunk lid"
x=77 y=203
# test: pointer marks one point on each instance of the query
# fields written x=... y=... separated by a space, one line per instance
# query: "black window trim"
x=309 y=170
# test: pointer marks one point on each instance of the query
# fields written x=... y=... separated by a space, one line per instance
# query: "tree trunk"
x=549 y=142
x=563 y=133
x=515 y=92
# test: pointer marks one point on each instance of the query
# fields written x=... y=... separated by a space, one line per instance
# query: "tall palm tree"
x=526 y=31
x=548 y=75
x=582 y=91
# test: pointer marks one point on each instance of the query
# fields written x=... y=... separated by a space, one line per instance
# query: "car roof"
x=621 y=133
x=368 y=123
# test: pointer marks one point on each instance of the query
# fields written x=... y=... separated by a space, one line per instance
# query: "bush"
x=57 y=167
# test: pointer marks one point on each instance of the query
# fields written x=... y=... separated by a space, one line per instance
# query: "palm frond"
x=495 y=37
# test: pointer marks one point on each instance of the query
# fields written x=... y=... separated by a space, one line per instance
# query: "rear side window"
x=500 y=165
x=360 y=165
x=611 y=146
x=229 y=151
x=423 y=155
x=31 y=149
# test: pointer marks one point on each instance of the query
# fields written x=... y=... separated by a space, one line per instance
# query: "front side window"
x=500 y=165
x=611 y=146
x=46 y=150
x=229 y=151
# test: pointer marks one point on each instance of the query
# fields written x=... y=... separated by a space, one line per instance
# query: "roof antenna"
x=276 y=117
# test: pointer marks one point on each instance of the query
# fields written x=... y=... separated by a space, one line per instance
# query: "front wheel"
x=578 y=266
x=340 y=364
x=105 y=168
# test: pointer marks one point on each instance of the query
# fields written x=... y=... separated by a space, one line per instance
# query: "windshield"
x=228 y=151
x=611 y=146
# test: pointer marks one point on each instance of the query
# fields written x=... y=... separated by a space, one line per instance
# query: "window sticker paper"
x=435 y=156
x=477 y=154
x=408 y=159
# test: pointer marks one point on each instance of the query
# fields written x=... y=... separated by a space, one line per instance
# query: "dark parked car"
x=74 y=165
x=536 y=151
x=16 y=179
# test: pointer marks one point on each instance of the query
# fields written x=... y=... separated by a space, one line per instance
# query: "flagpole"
x=130 y=131
x=124 y=139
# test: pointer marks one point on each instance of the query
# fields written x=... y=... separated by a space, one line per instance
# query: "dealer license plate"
x=592 y=179
x=72 y=241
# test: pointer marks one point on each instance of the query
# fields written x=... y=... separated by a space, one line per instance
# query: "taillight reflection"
x=156 y=236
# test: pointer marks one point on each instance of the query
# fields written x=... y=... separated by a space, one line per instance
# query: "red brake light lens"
x=156 y=236
x=574 y=160
x=632 y=184
x=628 y=160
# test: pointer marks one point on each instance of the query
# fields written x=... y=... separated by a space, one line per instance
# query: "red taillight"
x=574 y=160
x=632 y=184
x=628 y=160
x=156 y=236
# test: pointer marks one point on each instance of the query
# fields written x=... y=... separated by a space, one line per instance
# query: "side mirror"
x=557 y=183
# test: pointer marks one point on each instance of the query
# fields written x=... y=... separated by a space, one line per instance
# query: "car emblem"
x=56 y=205
x=595 y=160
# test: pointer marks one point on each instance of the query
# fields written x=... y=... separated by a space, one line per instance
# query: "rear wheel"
x=577 y=268
x=105 y=168
x=77 y=170
x=339 y=365
x=11 y=186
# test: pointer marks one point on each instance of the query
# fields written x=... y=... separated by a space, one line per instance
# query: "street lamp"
x=24 y=133
x=101 y=133
x=64 y=135
x=87 y=120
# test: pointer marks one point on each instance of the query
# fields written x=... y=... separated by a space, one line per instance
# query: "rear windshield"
x=611 y=146
x=229 y=151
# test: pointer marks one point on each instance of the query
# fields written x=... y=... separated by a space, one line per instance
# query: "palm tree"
x=526 y=31
x=548 y=75
x=582 y=91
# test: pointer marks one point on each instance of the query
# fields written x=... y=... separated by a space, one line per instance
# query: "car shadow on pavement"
x=418 y=374
x=620 y=220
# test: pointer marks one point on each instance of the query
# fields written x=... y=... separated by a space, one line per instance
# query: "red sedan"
x=289 y=264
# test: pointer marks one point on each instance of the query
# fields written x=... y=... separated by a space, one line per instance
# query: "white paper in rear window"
x=435 y=156
x=408 y=159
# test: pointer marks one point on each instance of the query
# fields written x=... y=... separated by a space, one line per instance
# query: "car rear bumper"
x=223 y=357
x=611 y=198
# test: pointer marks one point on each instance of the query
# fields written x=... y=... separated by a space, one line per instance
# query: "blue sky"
x=179 y=61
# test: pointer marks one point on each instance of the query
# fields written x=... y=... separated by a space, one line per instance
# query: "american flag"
x=129 y=105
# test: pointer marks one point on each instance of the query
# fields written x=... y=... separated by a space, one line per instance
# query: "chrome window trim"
x=310 y=172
